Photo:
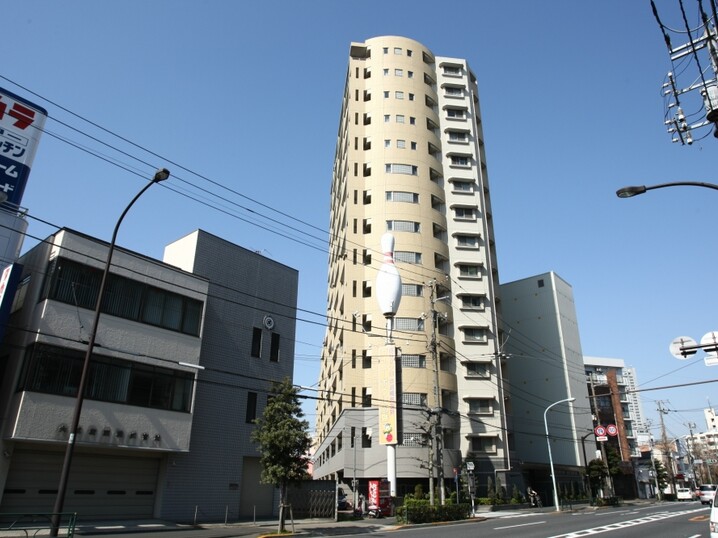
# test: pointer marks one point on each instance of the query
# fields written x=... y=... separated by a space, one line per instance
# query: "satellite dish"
x=677 y=347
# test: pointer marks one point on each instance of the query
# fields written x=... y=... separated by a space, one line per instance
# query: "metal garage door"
x=100 y=486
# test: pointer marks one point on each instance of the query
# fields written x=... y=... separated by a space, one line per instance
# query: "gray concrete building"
x=545 y=366
x=185 y=353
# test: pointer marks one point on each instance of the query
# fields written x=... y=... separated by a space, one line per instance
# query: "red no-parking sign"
x=612 y=430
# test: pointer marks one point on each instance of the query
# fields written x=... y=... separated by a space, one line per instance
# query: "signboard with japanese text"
x=21 y=124
x=386 y=393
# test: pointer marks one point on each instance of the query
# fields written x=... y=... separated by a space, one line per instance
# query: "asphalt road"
x=671 y=520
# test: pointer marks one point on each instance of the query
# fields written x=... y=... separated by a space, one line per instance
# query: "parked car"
x=684 y=494
x=713 y=520
x=707 y=493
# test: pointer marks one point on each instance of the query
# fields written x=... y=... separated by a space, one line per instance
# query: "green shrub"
x=420 y=511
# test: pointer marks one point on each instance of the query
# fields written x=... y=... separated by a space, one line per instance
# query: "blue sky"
x=240 y=100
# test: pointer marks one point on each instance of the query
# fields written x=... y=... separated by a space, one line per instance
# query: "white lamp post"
x=550 y=458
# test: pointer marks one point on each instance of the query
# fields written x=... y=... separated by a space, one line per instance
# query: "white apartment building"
x=410 y=160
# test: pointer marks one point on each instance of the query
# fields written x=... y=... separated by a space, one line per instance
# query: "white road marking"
x=623 y=524
x=523 y=525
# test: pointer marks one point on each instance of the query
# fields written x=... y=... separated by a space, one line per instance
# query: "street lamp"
x=628 y=192
x=160 y=175
x=550 y=458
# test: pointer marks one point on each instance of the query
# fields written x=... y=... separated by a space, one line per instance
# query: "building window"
x=412 y=290
x=399 y=118
x=387 y=118
x=481 y=406
x=409 y=324
x=402 y=196
x=76 y=284
x=396 y=168
x=410 y=74
x=413 y=361
x=456 y=113
x=256 y=342
x=365 y=397
x=475 y=334
x=251 y=414
x=407 y=257
x=469 y=270
x=452 y=70
x=385 y=50
x=472 y=302
x=411 y=97
x=458 y=136
x=401 y=144
x=415 y=399
x=386 y=94
x=465 y=213
x=402 y=226
x=386 y=72
x=398 y=95
x=397 y=50
x=413 y=439
x=365 y=359
x=463 y=186
x=483 y=444
x=398 y=72
x=412 y=120
x=460 y=160
x=477 y=369
x=467 y=241
x=56 y=370
x=387 y=143
x=274 y=348
x=413 y=145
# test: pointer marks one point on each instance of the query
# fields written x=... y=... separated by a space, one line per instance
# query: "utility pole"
x=435 y=412
x=692 y=425
x=666 y=448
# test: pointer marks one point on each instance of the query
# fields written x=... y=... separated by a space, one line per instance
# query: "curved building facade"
x=410 y=160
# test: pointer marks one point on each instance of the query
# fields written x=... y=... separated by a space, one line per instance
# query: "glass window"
x=387 y=118
x=396 y=168
x=472 y=302
x=457 y=113
x=407 y=257
x=453 y=91
x=401 y=196
x=410 y=74
x=452 y=70
x=386 y=94
x=399 y=95
x=387 y=143
x=413 y=145
x=463 y=186
x=256 y=342
x=413 y=361
x=468 y=213
x=401 y=144
x=478 y=369
x=482 y=406
x=398 y=72
x=251 y=412
x=475 y=334
x=402 y=226
x=385 y=50
x=412 y=290
x=483 y=444
x=417 y=399
x=411 y=97
x=399 y=118
x=274 y=348
x=458 y=136
x=397 y=50
x=408 y=52
x=460 y=160
x=409 y=324
x=468 y=270
x=467 y=241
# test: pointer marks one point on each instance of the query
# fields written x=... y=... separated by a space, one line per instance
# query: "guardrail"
x=27 y=525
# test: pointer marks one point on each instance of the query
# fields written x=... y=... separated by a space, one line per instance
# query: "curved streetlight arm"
x=160 y=175
x=628 y=192
x=548 y=443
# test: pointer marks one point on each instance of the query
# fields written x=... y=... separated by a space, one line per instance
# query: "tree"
x=283 y=441
x=662 y=476
x=597 y=474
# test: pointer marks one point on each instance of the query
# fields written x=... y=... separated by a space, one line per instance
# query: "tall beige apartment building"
x=410 y=160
